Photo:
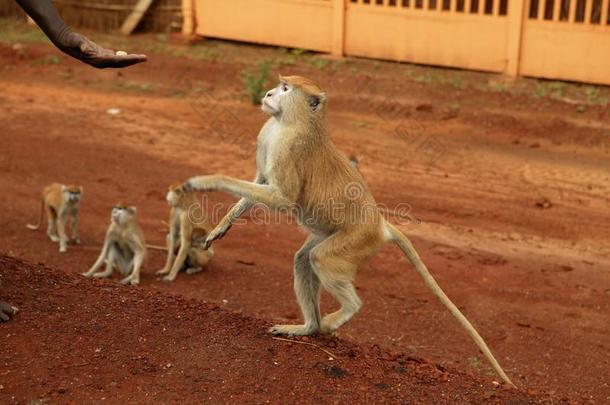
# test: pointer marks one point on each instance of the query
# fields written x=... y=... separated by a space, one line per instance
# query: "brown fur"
x=299 y=169
x=186 y=238
x=124 y=246
x=56 y=201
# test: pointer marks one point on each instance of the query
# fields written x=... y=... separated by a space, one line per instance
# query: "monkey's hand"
x=7 y=311
x=82 y=48
x=216 y=234
x=187 y=187
x=201 y=183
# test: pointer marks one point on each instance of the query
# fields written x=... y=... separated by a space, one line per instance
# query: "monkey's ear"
x=63 y=188
x=132 y=210
x=80 y=188
x=317 y=102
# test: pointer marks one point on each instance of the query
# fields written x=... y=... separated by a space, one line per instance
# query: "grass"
x=556 y=89
x=15 y=31
x=47 y=60
x=134 y=86
x=319 y=63
x=255 y=81
x=540 y=91
x=594 y=96
x=433 y=77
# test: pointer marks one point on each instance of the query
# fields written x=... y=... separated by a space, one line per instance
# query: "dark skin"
x=44 y=13
x=76 y=45
x=6 y=311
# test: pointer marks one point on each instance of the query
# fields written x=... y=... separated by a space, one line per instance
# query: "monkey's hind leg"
x=75 y=237
x=336 y=262
x=307 y=289
x=112 y=255
x=51 y=224
x=61 y=230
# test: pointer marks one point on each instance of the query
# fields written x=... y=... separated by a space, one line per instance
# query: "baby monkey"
x=59 y=201
x=187 y=235
x=124 y=247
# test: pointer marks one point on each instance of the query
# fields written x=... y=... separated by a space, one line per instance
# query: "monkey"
x=186 y=237
x=124 y=246
x=59 y=200
x=300 y=170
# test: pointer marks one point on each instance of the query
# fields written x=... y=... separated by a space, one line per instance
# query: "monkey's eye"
x=284 y=88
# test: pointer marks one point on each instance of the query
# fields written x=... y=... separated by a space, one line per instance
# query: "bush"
x=255 y=81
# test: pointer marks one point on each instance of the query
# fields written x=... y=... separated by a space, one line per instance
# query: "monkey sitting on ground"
x=59 y=200
x=299 y=170
x=186 y=237
x=124 y=247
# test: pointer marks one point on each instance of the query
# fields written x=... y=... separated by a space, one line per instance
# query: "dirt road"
x=510 y=192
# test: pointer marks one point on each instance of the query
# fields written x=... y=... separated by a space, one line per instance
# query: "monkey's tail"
x=157 y=247
x=405 y=245
x=35 y=227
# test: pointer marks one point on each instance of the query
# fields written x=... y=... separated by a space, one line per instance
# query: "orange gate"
x=567 y=39
x=562 y=39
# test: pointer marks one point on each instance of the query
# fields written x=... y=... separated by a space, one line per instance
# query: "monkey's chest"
x=272 y=147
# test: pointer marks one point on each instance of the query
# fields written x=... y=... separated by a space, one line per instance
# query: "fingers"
x=91 y=53
x=6 y=311
x=117 y=61
x=187 y=187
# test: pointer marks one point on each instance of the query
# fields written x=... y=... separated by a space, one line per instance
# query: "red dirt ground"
x=514 y=212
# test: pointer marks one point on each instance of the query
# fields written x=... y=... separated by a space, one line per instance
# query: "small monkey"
x=59 y=201
x=124 y=247
x=186 y=237
x=299 y=170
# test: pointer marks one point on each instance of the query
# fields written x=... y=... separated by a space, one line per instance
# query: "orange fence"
x=559 y=39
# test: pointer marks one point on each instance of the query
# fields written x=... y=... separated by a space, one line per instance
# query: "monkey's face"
x=272 y=102
x=121 y=214
x=174 y=195
x=73 y=194
x=295 y=97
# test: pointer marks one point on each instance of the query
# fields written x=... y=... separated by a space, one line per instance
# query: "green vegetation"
x=47 y=60
x=255 y=80
x=15 y=31
x=319 y=63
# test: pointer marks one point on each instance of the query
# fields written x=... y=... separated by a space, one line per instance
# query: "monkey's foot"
x=293 y=330
x=334 y=321
x=100 y=275
x=162 y=272
x=130 y=280
x=54 y=238
x=169 y=278
x=63 y=249
x=193 y=270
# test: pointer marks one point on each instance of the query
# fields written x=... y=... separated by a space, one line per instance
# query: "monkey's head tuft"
x=73 y=193
x=295 y=98
x=122 y=213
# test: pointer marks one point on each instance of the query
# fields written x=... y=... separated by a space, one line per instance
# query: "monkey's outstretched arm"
x=100 y=259
x=234 y=213
x=258 y=193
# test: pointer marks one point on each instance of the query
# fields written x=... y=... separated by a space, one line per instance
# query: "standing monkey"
x=299 y=169
x=124 y=247
x=186 y=236
x=59 y=201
